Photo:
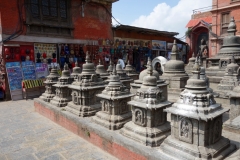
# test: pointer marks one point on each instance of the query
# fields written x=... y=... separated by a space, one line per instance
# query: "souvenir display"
x=70 y=53
x=45 y=52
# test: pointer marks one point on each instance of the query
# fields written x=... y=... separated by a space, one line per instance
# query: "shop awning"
x=194 y=22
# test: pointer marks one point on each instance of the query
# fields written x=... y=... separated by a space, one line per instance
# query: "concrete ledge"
x=111 y=141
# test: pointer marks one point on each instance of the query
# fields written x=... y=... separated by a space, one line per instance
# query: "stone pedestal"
x=115 y=111
x=196 y=125
x=63 y=93
x=84 y=90
x=50 y=92
x=149 y=124
x=174 y=74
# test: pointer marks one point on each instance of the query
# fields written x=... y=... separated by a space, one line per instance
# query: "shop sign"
x=158 y=45
x=14 y=73
x=41 y=70
x=28 y=70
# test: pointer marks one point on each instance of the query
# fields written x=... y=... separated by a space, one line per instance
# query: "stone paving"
x=26 y=135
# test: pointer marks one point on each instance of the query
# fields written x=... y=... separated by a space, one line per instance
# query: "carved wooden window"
x=49 y=17
x=225 y=22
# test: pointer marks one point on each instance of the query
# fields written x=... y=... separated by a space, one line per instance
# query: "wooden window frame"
x=62 y=26
x=225 y=23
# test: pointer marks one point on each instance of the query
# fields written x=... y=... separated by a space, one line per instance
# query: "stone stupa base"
x=148 y=136
x=47 y=97
x=60 y=102
x=112 y=122
x=175 y=149
x=232 y=125
x=83 y=111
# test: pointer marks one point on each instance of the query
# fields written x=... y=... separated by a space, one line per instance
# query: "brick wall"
x=95 y=24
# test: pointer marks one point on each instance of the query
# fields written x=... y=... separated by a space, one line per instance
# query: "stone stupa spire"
x=232 y=27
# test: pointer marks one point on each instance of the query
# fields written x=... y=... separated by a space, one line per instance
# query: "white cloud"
x=172 y=19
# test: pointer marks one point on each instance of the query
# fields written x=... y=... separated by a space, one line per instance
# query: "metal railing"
x=204 y=9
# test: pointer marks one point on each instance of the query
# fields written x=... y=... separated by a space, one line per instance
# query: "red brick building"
x=53 y=30
x=211 y=24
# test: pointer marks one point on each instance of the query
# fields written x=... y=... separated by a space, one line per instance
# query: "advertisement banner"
x=158 y=45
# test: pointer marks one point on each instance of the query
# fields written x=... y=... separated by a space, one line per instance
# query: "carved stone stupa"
x=110 y=67
x=52 y=79
x=174 y=73
x=160 y=83
x=149 y=124
x=196 y=125
x=230 y=79
x=130 y=71
x=124 y=78
x=76 y=71
x=190 y=65
x=115 y=110
x=63 y=93
x=231 y=46
x=101 y=71
x=84 y=101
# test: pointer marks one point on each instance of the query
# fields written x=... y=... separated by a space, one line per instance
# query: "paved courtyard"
x=26 y=135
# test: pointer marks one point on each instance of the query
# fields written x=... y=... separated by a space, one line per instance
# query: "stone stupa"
x=115 y=110
x=160 y=83
x=51 y=79
x=149 y=124
x=124 y=78
x=63 y=93
x=130 y=71
x=76 y=71
x=231 y=46
x=84 y=90
x=110 y=67
x=101 y=71
x=196 y=125
x=230 y=79
x=174 y=74
x=189 y=66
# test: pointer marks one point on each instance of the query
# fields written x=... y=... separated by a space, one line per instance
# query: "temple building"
x=149 y=124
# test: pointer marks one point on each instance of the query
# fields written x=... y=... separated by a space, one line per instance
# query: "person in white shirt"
x=121 y=63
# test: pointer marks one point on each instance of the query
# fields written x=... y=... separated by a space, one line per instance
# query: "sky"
x=163 y=15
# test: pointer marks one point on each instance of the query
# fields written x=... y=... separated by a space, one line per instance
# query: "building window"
x=49 y=17
x=225 y=22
